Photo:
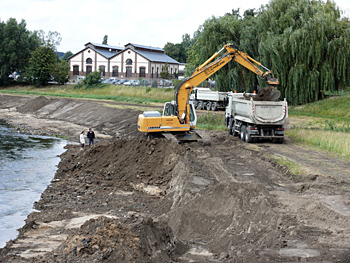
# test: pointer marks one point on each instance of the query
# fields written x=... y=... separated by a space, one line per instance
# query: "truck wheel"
x=214 y=106
x=243 y=132
x=208 y=106
x=248 y=138
x=200 y=105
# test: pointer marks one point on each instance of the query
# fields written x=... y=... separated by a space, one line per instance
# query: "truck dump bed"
x=257 y=112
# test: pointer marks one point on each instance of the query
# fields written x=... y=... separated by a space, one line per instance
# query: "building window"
x=142 y=72
x=128 y=73
x=88 y=70
x=103 y=71
x=128 y=61
x=75 y=70
x=115 y=71
x=157 y=73
x=88 y=61
x=152 y=72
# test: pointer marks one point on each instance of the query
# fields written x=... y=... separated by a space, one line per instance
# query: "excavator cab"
x=170 y=108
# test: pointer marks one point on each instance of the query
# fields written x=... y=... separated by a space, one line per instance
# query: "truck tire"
x=214 y=106
x=208 y=106
x=243 y=127
x=200 y=105
x=248 y=137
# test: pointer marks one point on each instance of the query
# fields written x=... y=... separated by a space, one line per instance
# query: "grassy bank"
x=324 y=124
x=140 y=95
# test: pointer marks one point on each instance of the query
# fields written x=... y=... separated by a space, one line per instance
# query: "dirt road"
x=131 y=199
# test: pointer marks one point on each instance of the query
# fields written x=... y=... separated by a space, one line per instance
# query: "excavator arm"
x=208 y=68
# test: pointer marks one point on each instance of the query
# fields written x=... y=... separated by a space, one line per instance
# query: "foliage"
x=105 y=40
x=52 y=38
x=93 y=78
x=304 y=42
x=16 y=46
x=154 y=84
x=179 y=51
x=61 y=72
x=67 y=55
x=165 y=71
x=41 y=65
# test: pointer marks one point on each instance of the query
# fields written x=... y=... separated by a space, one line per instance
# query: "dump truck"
x=253 y=119
x=205 y=98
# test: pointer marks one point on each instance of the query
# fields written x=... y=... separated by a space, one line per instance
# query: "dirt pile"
x=132 y=199
x=107 y=240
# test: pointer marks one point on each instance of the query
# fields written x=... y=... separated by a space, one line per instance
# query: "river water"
x=27 y=165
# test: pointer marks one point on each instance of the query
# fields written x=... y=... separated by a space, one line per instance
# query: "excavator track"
x=190 y=136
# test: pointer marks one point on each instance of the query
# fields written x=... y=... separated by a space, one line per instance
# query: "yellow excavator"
x=179 y=116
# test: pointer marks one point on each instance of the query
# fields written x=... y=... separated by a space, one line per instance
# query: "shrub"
x=93 y=78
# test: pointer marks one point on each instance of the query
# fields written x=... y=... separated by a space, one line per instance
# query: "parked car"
x=121 y=81
x=132 y=83
x=110 y=81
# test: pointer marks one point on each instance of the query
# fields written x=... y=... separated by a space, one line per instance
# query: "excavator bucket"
x=268 y=93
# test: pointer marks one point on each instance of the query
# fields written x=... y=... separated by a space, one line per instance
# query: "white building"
x=129 y=62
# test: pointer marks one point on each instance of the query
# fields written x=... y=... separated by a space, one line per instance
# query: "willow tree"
x=218 y=31
x=307 y=45
x=210 y=38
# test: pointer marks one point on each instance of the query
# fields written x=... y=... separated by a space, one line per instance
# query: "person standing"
x=82 y=139
x=91 y=136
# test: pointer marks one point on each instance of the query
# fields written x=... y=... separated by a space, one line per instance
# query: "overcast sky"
x=145 y=22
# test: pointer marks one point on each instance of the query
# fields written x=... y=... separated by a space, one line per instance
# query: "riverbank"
x=131 y=199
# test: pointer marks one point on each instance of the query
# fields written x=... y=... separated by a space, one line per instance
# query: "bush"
x=154 y=84
x=93 y=78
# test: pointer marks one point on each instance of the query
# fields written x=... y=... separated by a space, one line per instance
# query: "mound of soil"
x=132 y=199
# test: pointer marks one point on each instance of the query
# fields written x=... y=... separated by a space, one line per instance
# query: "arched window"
x=128 y=61
x=88 y=61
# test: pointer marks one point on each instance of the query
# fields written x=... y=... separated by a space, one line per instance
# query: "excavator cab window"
x=191 y=113
x=168 y=109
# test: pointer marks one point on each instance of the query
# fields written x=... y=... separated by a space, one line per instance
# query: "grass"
x=139 y=95
x=330 y=141
x=292 y=167
x=324 y=124
x=211 y=121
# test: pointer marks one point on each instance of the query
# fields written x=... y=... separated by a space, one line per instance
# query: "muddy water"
x=27 y=165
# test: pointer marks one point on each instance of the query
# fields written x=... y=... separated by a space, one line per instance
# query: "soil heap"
x=133 y=199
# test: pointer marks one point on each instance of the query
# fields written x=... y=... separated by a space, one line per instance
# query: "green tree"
x=16 y=46
x=93 y=78
x=306 y=43
x=61 y=71
x=165 y=71
x=179 y=51
x=105 y=40
x=210 y=38
x=52 y=38
x=41 y=65
x=67 y=55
